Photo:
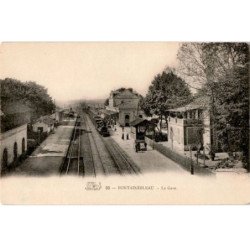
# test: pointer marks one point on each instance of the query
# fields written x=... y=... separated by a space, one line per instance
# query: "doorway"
x=127 y=120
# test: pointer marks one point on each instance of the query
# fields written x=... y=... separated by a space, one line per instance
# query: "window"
x=127 y=120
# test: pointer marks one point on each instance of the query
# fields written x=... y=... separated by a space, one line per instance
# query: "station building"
x=125 y=103
x=190 y=125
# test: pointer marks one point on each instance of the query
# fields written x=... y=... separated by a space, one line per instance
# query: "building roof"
x=201 y=102
x=53 y=116
x=108 y=112
x=127 y=105
x=139 y=120
x=46 y=120
x=126 y=93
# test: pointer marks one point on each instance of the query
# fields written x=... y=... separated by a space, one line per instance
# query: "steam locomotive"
x=100 y=123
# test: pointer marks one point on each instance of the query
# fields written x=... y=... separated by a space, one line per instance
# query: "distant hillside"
x=95 y=101
x=76 y=102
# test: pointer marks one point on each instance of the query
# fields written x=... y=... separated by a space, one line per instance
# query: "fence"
x=186 y=162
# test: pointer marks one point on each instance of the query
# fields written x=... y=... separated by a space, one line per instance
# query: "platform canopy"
x=137 y=121
x=140 y=121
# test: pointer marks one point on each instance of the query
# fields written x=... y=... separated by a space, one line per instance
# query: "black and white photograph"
x=154 y=117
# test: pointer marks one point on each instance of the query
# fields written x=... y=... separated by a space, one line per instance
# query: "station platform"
x=148 y=161
x=48 y=157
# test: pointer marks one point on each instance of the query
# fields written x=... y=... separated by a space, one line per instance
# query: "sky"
x=87 y=70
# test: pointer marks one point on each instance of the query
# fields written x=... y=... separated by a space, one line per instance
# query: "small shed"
x=44 y=124
x=139 y=128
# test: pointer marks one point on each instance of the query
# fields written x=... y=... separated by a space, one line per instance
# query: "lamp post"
x=191 y=161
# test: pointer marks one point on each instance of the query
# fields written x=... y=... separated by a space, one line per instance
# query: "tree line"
x=35 y=97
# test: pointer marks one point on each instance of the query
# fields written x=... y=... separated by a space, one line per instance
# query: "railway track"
x=123 y=162
x=88 y=158
x=112 y=157
x=91 y=155
x=73 y=163
x=102 y=162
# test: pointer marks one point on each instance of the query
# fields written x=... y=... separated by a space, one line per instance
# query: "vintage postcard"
x=124 y=123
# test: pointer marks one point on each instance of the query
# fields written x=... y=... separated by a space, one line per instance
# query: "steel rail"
x=130 y=165
x=95 y=144
x=88 y=136
x=71 y=148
